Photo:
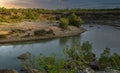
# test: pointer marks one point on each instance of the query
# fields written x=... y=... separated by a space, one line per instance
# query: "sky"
x=58 y=4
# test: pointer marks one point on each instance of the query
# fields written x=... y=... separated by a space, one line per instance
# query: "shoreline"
x=58 y=33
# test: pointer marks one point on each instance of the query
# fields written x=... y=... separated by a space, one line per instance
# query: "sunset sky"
x=54 y=4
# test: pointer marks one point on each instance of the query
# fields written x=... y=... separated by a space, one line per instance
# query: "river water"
x=100 y=36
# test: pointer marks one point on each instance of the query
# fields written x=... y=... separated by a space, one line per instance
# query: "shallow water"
x=100 y=36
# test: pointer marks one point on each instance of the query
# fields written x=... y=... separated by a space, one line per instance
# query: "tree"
x=64 y=22
x=75 y=20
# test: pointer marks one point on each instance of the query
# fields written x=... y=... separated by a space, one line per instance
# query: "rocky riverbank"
x=31 y=31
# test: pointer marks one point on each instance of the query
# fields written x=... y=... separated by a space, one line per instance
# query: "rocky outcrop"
x=24 y=56
x=8 y=71
x=42 y=32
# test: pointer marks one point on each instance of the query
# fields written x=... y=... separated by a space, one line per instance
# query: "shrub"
x=104 y=58
x=108 y=60
x=3 y=19
x=15 y=18
x=75 y=20
x=64 y=22
x=50 y=64
x=32 y=15
x=77 y=57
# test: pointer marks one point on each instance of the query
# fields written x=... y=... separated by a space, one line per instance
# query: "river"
x=100 y=36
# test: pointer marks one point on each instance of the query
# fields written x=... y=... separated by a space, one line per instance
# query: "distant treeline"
x=14 y=15
x=23 y=10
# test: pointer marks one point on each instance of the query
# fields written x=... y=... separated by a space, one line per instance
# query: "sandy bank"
x=29 y=31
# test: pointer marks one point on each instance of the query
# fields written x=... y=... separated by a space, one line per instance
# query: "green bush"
x=75 y=20
x=32 y=15
x=77 y=57
x=3 y=19
x=108 y=60
x=15 y=18
x=51 y=65
x=64 y=22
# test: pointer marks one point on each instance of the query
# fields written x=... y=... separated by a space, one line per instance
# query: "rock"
x=4 y=34
x=24 y=35
x=27 y=34
x=13 y=36
x=26 y=67
x=110 y=70
x=91 y=26
x=24 y=56
x=18 y=30
x=88 y=70
x=31 y=33
x=42 y=32
x=33 y=71
x=8 y=71
x=95 y=65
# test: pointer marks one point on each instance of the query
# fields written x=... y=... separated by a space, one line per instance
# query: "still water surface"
x=100 y=36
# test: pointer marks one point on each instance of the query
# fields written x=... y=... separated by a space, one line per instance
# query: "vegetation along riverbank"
x=78 y=58
x=30 y=31
x=18 y=25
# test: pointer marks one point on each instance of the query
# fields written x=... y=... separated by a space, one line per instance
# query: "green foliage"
x=77 y=57
x=17 y=17
x=115 y=61
x=108 y=60
x=50 y=65
x=75 y=20
x=32 y=15
x=87 y=51
x=64 y=22
x=104 y=58
x=3 y=19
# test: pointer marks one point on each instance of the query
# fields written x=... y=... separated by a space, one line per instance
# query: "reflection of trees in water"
x=30 y=43
x=75 y=39
x=69 y=40
x=63 y=41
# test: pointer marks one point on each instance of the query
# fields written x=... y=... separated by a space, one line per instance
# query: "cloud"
x=22 y=4
x=57 y=4
x=32 y=3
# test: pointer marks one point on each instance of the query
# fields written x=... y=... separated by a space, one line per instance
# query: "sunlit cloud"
x=2 y=2
x=57 y=4
x=32 y=3
x=19 y=3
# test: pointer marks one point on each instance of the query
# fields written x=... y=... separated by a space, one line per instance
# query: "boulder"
x=95 y=65
x=24 y=56
x=8 y=71
x=88 y=70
